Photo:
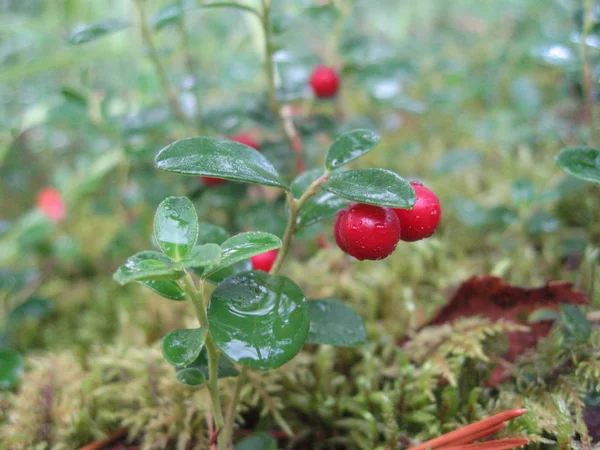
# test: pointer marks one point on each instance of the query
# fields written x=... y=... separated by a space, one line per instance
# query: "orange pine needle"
x=474 y=437
x=501 y=444
x=468 y=431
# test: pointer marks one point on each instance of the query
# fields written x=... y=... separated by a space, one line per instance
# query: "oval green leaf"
x=87 y=33
x=211 y=234
x=202 y=256
x=334 y=323
x=166 y=288
x=144 y=266
x=225 y=367
x=350 y=146
x=581 y=162
x=372 y=186
x=321 y=207
x=257 y=441
x=176 y=227
x=182 y=347
x=258 y=320
x=191 y=377
x=219 y=158
x=222 y=274
x=11 y=368
x=243 y=246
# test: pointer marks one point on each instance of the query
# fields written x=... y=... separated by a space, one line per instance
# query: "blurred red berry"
x=367 y=231
x=264 y=261
x=422 y=220
x=50 y=202
x=324 y=82
x=210 y=181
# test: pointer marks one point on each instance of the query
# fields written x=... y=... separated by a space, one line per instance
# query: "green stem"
x=197 y=298
x=158 y=66
x=588 y=82
x=292 y=226
x=230 y=415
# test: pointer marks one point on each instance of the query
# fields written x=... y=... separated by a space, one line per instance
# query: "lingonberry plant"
x=255 y=320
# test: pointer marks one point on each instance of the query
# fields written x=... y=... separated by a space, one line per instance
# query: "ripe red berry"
x=50 y=202
x=324 y=82
x=422 y=220
x=242 y=138
x=264 y=261
x=366 y=231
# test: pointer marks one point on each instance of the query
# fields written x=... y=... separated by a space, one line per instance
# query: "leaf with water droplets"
x=166 y=288
x=334 y=323
x=182 y=347
x=144 y=266
x=176 y=227
x=196 y=372
x=372 y=186
x=243 y=246
x=190 y=376
x=202 y=256
x=258 y=320
x=349 y=146
x=220 y=158
x=581 y=162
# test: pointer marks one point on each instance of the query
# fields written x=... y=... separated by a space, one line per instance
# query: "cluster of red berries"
x=372 y=232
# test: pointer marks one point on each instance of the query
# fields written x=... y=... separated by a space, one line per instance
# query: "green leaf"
x=166 y=288
x=146 y=265
x=11 y=368
x=321 y=207
x=176 y=227
x=257 y=441
x=34 y=308
x=170 y=14
x=196 y=373
x=575 y=322
x=334 y=323
x=182 y=347
x=202 y=256
x=222 y=274
x=211 y=234
x=87 y=33
x=219 y=158
x=304 y=180
x=581 y=162
x=243 y=246
x=191 y=377
x=350 y=146
x=258 y=320
x=372 y=186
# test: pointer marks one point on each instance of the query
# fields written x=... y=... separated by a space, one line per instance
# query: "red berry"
x=366 y=231
x=422 y=220
x=324 y=82
x=264 y=261
x=50 y=202
x=242 y=138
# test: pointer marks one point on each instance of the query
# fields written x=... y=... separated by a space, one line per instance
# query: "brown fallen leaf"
x=490 y=297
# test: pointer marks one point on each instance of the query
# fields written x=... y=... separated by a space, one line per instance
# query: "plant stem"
x=230 y=415
x=588 y=82
x=283 y=113
x=197 y=298
x=295 y=207
x=158 y=66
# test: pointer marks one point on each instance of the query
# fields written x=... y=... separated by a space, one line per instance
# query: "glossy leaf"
x=304 y=180
x=170 y=14
x=87 y=33
x=166 y=288
x=581 y=162
x=219 y=158
x=211 y=234
x=11 y=368
x=146 y=265
x=191 y=377
x=350 y=146
x=202 y=256
x=182 y=347
x=222 y=274
x=334 y=323
x=575 y=322
x=372 y=186
x=176 y=227
x=197 y=371
x=258 y=320
x=243 y=246
x=321 y=207
x=257 y=441
x=33 y=308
